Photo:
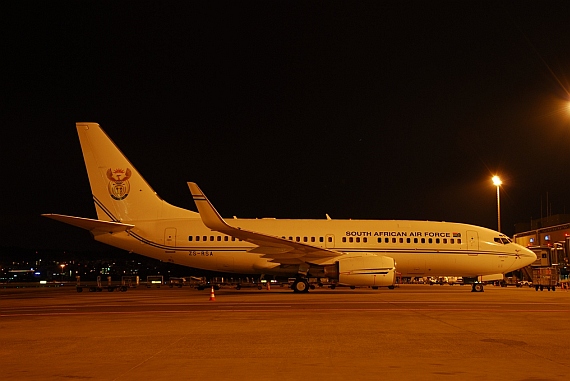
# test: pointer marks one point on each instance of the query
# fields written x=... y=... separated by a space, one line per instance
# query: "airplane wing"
x=280 y=250
x=94 y=226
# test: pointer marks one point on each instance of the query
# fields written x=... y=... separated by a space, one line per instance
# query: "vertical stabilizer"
x=119 y=191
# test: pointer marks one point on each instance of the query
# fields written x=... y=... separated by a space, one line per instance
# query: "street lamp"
x=497 y=182
x=62 y=266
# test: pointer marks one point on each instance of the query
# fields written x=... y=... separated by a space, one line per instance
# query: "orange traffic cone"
x=212 y=296
x=268 y=286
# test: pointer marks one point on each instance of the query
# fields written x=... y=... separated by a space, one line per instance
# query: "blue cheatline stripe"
x=386 y=251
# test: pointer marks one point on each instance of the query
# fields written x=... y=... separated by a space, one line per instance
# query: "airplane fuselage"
x=420 y=248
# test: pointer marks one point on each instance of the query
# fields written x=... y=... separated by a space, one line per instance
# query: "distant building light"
x=547 y=237
x=532 y=240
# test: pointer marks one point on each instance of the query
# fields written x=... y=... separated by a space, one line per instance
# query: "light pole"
x=62 y=266
x=497 y=182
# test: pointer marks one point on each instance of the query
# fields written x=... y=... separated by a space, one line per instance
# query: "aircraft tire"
x=478 y=287
x=300 y=285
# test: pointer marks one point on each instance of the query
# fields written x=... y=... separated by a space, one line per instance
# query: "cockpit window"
x=502 y=240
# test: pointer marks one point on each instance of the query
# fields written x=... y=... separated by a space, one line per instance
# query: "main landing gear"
x=477 y=287
x=300 y=285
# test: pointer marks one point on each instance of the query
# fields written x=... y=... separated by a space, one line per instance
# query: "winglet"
x=210 y=217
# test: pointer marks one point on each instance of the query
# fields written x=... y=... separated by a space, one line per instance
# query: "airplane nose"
x=528 y=256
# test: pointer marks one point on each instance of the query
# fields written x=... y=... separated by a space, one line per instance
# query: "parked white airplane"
x=133 y=217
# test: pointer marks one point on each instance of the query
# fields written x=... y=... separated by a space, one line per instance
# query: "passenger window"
x=190 y=238
x=305 y=239
x=350 y=239
x=386 y=240
x=445 y=240
x=197 y=238
x=233 y=238
x=205 y=238
x=437 y=240
x=358 y=239
x=379 y=240
x=321 y=239
x=393 y=240
x=211 y=238
x=401 y=240
x=329 y=239
x=415 y=240
x=423 y=240
x=452 y=240
x=364 y=239
x=225 y=238
x=298 y=239
x=312 y=239
x=290 y=238
x=408 y=240
x=430 y=240
x=459 y=241
x=219 y=238
x=343 y=239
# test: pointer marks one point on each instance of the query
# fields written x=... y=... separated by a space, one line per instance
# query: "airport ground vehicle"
x=545 y=277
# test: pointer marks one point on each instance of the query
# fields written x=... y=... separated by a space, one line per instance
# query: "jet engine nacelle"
x=370 y=270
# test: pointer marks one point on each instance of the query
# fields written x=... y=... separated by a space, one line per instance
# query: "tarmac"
x=413 y=332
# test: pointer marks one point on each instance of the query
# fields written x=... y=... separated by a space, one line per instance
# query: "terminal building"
x=549 y=237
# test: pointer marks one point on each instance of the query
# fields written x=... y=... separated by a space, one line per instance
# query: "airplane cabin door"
x=170 y=237
x=472 y=240
x=329 y=241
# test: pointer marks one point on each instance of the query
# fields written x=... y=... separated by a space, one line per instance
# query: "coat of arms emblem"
x=119 y=186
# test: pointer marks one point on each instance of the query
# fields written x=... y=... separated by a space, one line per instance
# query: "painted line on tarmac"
x=144 y=313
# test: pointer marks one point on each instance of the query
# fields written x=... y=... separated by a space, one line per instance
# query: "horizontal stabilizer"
x=95 y=226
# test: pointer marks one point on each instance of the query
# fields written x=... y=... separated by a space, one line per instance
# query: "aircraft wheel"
x=478 y=287
x=238 y=287
x=375 y=287
x=391 y=287
x=352 y=287
x=301 y=285
x=541 y=288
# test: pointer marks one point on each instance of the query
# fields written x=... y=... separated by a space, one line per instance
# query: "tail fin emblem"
x=119 y=186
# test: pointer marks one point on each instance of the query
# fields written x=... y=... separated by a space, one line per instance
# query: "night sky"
x=375 y=110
